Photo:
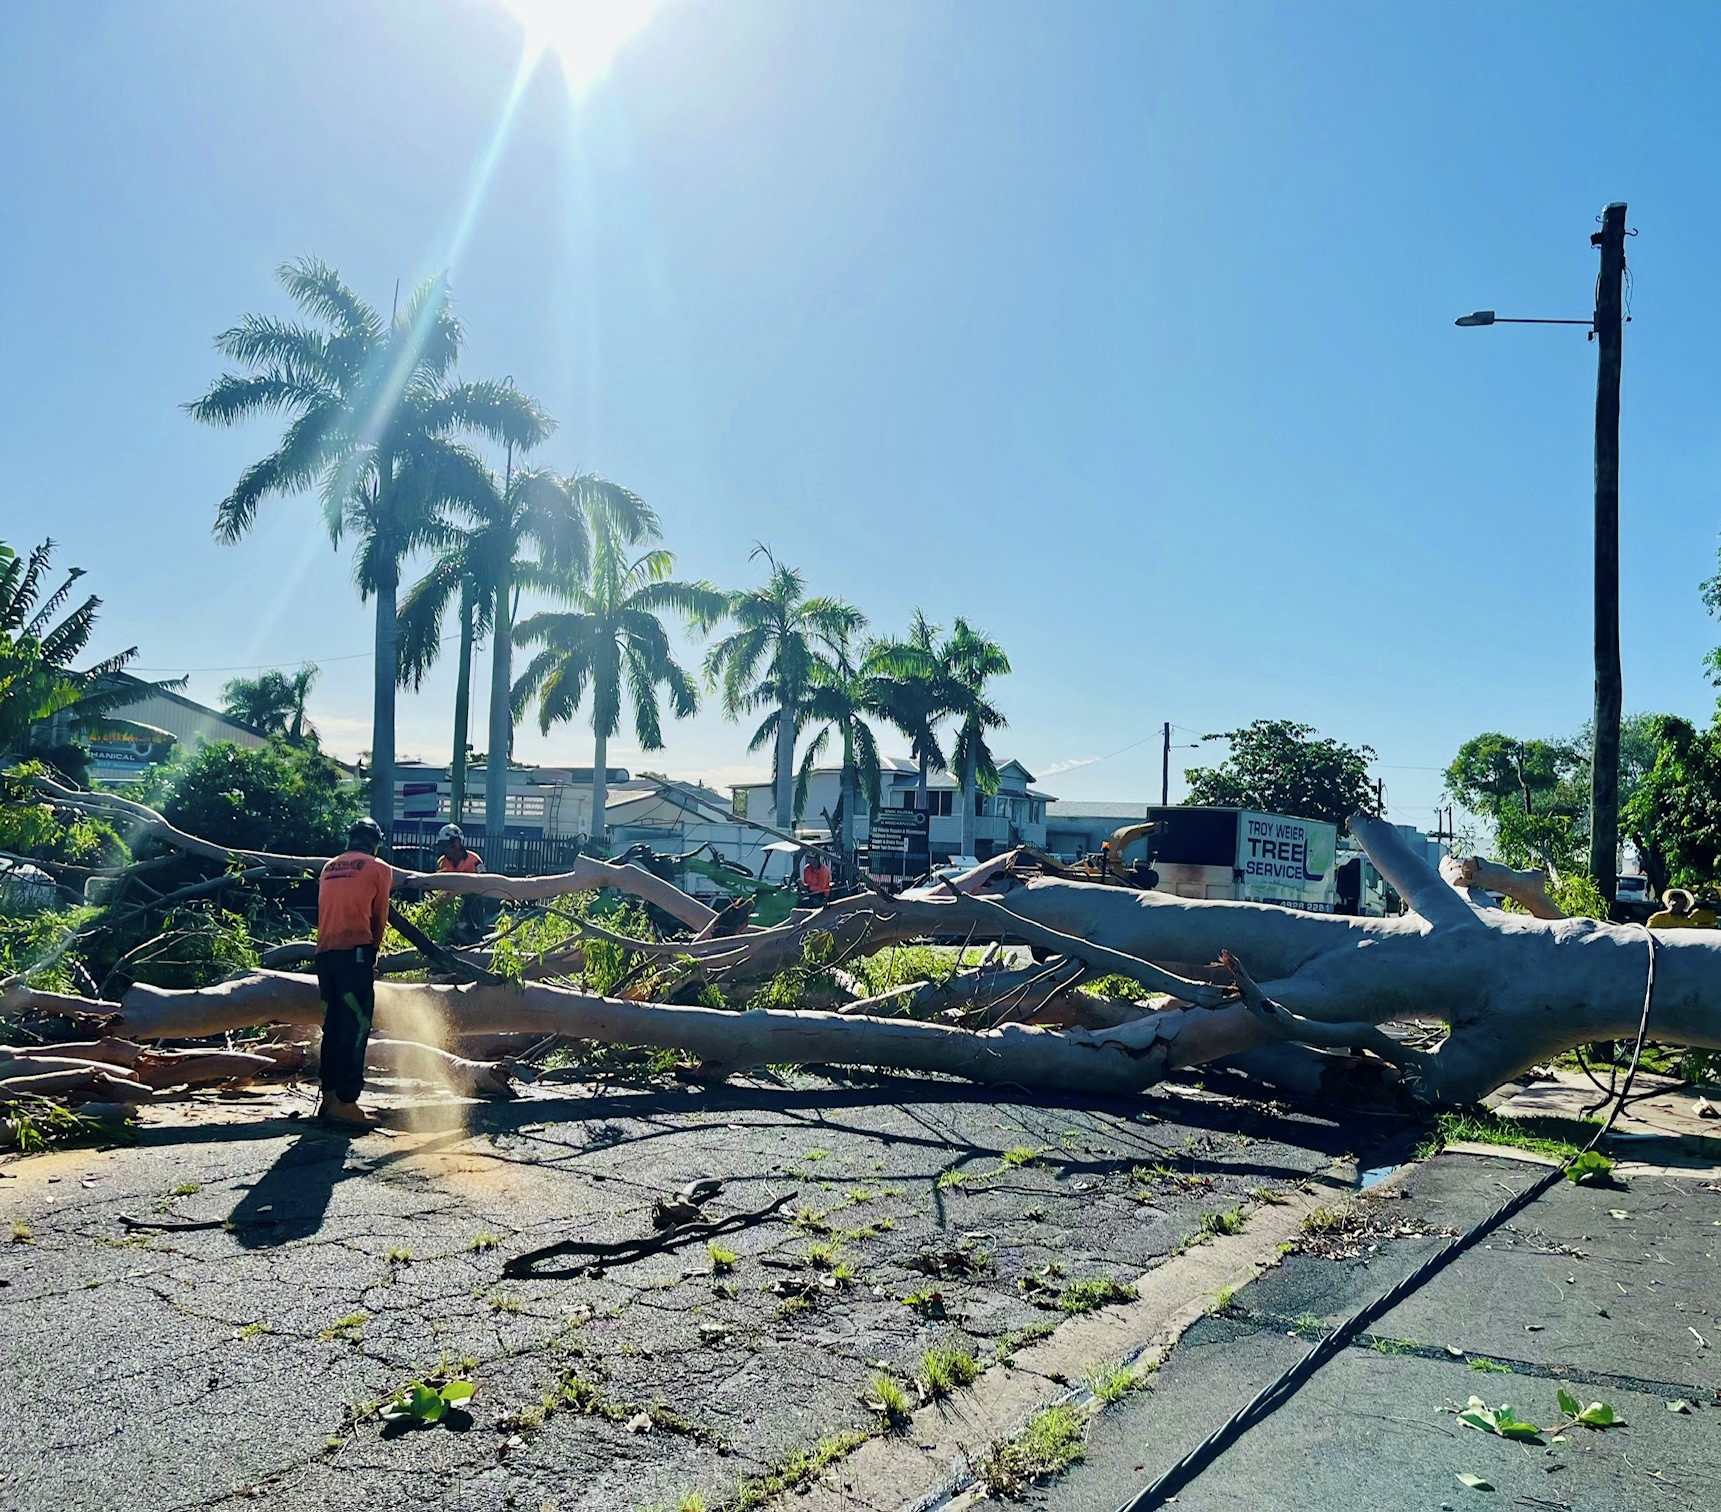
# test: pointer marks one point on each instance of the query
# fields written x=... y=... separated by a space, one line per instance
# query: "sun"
x=585 y=35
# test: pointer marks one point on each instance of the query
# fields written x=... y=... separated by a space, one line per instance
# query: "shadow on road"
x=291 y=1198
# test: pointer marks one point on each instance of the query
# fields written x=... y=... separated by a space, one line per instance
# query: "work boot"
x=342 y=1115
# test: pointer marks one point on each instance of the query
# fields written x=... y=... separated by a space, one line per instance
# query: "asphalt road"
x=190 y=1368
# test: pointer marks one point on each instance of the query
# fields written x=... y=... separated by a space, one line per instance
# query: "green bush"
x=283 y=798
x=30 y=827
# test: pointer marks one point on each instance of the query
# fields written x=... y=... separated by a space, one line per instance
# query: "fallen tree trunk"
x=1515 y=990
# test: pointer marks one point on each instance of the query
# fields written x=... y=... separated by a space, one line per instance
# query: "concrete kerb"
x=932 y=1462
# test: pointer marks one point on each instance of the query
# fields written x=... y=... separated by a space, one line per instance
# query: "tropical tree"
x=969 y=661
x=911 y=682
x=1535 y=794
x=840 y=701
x=1283 y=767
x=528 y=529
x=375 y=421
x=612 y=643
x=37 y=679
x=273 y=702
x=767 y=661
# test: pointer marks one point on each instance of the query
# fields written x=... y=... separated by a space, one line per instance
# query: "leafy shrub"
x=278 y=798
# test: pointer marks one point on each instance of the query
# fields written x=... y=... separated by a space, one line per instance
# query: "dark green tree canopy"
x=1674 y=816
x=1282 y=767
x=280 y=798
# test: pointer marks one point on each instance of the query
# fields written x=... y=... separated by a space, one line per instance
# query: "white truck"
x=1246 y=856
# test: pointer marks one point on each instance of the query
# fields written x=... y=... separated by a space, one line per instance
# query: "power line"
x=276 y=666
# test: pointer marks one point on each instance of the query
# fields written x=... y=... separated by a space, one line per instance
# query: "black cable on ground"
x=1282 y=1388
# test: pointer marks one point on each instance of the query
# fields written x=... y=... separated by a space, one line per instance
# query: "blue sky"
x=1125 y=330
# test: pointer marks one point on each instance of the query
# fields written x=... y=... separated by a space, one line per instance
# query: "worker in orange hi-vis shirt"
x=352 y=914
x=455 y=857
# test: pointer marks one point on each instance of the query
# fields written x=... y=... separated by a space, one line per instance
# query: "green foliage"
x=1501 y=1420
x=1089 y=1296
x=1674 y=817
x=272 y=703
x=38 y=644
x=416 y=1405
x=902 y=964
x=1590 y=1169
x=1595 y=1415
x=33 y=1124
x=1578 y=896
x=279 y=798
x=945 y=1370
x=886 y=1397
x=1051 y=1443
x=1282 y=767
x=41 y=947
x=30 y=827
x=1535 y=794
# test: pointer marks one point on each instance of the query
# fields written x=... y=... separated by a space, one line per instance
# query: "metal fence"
x=513 y=855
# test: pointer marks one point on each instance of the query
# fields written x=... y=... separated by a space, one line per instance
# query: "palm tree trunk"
x=382 y=707
x=462 y=709
x=501 y=718
x=920 y=788
x=600 y=784
x=850 y=789
x=966 y=797
x=785 y=766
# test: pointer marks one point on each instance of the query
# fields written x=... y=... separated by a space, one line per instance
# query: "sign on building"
x=1287 y=861
x=900 y=844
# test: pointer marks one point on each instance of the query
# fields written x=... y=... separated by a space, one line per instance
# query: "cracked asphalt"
x=201 y=1367
x=1609 y=1291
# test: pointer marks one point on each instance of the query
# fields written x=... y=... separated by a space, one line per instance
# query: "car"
x=1632 y=889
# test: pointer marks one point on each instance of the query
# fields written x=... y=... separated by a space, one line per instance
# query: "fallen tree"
x=1308 y=999
x=138 y=821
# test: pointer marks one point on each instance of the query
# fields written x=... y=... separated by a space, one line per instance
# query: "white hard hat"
x=450 y=832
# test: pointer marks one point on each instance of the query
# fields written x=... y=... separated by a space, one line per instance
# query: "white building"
x=1014 y=815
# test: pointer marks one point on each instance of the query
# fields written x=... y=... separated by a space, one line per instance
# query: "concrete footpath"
x=1611 y=1292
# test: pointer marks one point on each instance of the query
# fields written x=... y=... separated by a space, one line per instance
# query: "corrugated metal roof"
x=1088 y=808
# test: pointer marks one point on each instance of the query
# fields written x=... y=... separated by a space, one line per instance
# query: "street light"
x=1488 y=317
x=1607 y=330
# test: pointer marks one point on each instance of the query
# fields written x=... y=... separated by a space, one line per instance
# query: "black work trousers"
x=346 y=981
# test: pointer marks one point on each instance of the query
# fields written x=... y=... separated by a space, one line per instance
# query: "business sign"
x=1287 y=861
x=900 y=842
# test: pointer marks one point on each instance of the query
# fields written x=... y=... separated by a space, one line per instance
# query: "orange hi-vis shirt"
x=817 y=879
x=352 y=901
x=470 y=862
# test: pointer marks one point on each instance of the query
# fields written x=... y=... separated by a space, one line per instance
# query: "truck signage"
x=1287 y=861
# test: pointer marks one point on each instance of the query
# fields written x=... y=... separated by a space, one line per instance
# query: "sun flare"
x=585 y=35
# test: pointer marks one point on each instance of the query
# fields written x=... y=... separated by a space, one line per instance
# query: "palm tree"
x=273 y=703
x=527 y=529
x=37 y=679
x=375 y=416
x=970 y=660
x=767 y=661
x=841 y=699
x=914 y=693
x=613 y=636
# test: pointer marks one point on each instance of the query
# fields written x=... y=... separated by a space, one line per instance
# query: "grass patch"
x=1021 y=1338
x=1213 y=1225
x=251 y=1330
x=797 y=1471
x=188 y=1189
x=1380 y=1344
x=1051 y=1443
x=1090 y=1296
x=399 y=1256
x=1222 y=1299
x=929 y=1303
x=885 y=1396
x=722 y=1260
x=22 y=1233
x=483 y=1241
x=1020 y=1155
x=345 y=1329
x=1489 y=1367
x=946 y=1370
x=1559 y=1138
x=1110 y=1383
x=503 y=1304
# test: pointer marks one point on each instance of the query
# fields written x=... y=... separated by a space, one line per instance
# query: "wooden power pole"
x=1604 y=756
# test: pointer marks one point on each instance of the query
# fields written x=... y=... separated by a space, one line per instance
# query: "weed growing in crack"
x=1222 y=1299
x=1090 y=1296
x=22 y=1233
x=885 y=1396
x=1020 y=1338
x=946 y=1370
x=503 y=1304
x=483 y=1241
x=1214 y=1225
x=346 y=1330
x=1110 y=1383
x=399 y=1256
x=188 y=1189
x=1051 y=1443
x=722 y=1260
x=796 y=1471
